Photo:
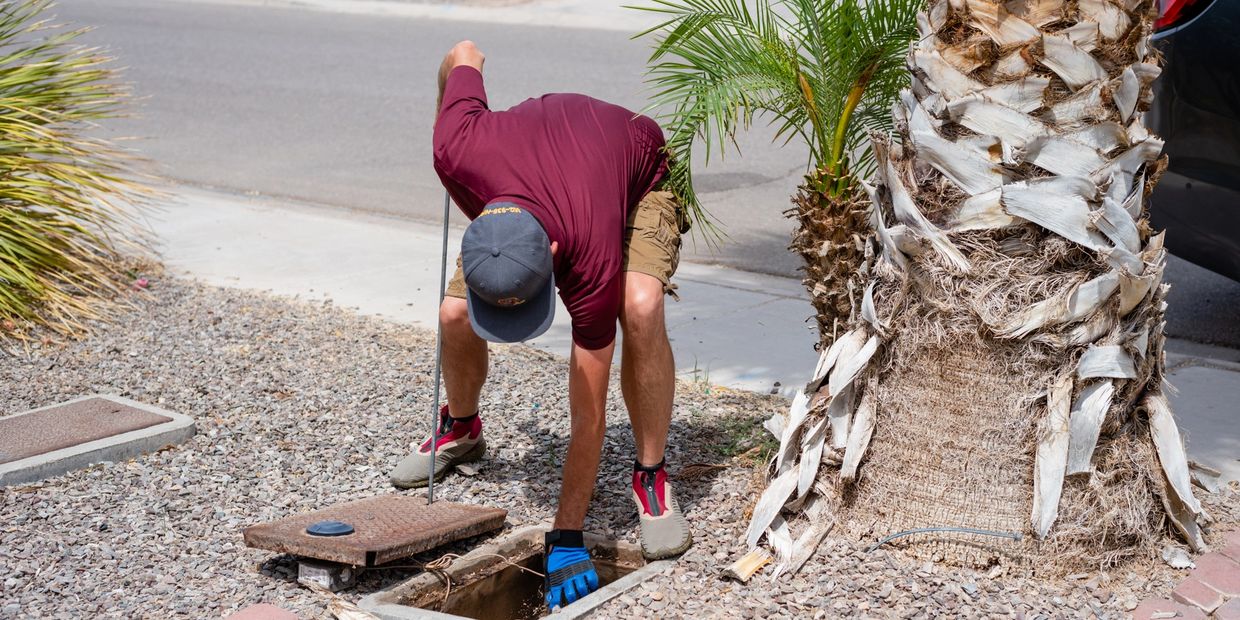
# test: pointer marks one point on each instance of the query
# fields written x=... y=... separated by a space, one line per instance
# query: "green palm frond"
x=66 y=199
x=823 y=71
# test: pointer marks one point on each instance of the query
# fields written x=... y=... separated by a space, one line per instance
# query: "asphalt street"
x=336 y=109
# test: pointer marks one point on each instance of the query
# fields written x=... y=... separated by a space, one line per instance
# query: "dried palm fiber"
x=1004 y=367
x=830 y=239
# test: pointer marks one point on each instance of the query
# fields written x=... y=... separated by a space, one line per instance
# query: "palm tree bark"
x=830 y=238
x=1003 y=369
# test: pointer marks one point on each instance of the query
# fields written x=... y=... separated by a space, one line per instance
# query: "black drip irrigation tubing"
x=960 y=530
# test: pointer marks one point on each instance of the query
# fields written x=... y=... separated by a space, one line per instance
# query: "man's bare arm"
x=589 y=371
x=463 y=53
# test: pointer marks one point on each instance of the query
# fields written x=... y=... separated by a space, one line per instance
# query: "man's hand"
x=464 y=53
x=570 y=574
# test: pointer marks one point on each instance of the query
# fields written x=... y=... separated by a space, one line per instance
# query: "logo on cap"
x=500 y=211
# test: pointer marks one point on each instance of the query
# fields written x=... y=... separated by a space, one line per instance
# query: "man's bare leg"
x=465 y=358
x=464 y=371
x=588 y=374
x=647 y=378
x=647 y=369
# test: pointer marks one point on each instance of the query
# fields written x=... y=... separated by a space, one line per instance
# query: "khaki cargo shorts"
x=651 y=242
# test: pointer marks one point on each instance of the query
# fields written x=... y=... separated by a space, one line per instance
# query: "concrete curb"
x=1176 y=363
x=587 y=605
x=1185 y=353
x=109 y=449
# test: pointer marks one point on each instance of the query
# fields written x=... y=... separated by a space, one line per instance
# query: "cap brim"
x=516 y=324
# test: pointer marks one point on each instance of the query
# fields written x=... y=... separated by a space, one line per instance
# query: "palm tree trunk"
x=830 y=238
x=1003 y=368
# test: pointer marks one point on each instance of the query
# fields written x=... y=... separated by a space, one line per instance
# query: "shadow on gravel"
x=700 y=448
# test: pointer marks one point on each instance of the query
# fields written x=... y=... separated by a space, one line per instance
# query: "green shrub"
x=67 y=199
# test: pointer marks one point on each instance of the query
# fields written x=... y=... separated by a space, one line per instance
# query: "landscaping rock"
x=300 y=406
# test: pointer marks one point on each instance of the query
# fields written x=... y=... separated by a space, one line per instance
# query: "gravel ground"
x=302 y=405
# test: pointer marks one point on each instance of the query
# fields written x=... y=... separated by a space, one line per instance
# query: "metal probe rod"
x=443 y=283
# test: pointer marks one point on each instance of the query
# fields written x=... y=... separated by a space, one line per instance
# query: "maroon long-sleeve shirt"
x=578 y=164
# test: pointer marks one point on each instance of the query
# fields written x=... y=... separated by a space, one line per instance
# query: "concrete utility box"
x=487 y=583
x=52 y=440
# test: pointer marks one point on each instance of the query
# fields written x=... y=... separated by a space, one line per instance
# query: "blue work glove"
x=570 y=573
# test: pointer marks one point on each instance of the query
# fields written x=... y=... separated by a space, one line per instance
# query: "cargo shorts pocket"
x=652 y=238
x=456 y=285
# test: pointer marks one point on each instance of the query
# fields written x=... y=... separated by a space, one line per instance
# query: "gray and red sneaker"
x=460 y=441
x=664 y=530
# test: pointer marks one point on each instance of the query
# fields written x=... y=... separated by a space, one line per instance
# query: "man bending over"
x=562 y=193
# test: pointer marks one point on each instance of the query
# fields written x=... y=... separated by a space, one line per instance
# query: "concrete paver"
x=1229 y=611
x=1196 y=593
x=1158 y=608
x=1231 y=545
x=263 y=611
x=1219 y=572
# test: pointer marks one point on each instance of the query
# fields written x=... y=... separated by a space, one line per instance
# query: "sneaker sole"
x=475 y=453
x=663 y=555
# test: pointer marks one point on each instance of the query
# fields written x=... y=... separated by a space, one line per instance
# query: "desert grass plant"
x=1005 y=370
x=67 y=200
x=825 y=72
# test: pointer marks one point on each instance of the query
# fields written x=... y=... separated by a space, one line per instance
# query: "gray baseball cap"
x=506 y=257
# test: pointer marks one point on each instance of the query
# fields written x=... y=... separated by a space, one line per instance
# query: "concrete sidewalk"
x=732 y=328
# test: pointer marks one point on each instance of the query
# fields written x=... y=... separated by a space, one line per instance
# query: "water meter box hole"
x=488 y=583
x=512 y=593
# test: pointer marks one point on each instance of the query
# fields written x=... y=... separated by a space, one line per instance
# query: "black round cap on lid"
x=330 y=528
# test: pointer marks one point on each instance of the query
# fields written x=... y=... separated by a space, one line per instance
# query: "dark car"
x=1197 y=111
